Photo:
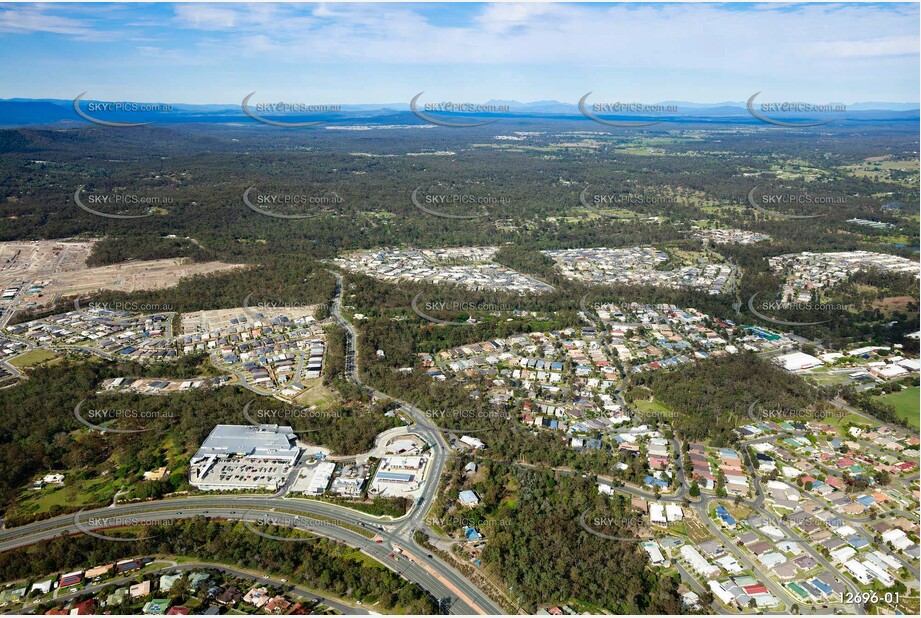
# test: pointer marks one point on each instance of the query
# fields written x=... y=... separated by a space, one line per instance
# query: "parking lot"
x=244 y=474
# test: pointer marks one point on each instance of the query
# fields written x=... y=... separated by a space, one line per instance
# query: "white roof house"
x=878 y=570
x=655 y=554
x=859 y=572
x=673 y=512
x=474 y=443
x=468 y=498
x=843 y=554
x=719 y=592
x=730 y=564
x=697 y=562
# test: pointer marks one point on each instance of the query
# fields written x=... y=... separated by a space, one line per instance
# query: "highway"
x=453 y=591
x=443 y=584
x=439 y=452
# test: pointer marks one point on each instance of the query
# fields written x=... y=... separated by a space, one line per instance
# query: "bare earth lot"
x=61 y=267
x=35 y=259
x=134 y=276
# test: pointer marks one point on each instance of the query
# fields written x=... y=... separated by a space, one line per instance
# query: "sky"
x=465 y=52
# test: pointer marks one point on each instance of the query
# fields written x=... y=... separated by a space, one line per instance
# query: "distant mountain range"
x=25 y=112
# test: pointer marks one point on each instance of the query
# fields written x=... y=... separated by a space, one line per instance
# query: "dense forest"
x=537 y=547
x=711 y=397
x=322 y=565
x=693 y=175
x=687 y=176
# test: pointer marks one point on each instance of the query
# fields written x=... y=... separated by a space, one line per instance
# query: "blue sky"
x=386 y=53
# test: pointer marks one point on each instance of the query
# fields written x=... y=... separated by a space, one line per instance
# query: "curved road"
x=451 y=589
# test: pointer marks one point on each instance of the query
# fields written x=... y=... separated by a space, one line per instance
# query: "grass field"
x=905 y=403
x=652 y=408
x=73 y=493
x=33 y=357
x=848 y=419
x=882 y=170
x=315 y=394
x=823 y=376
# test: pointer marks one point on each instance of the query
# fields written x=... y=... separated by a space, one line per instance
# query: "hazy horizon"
x=383 y=54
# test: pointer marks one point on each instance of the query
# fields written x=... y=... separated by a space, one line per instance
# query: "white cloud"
x=876 y=48
x=704 y=52
x=24 y=19
x=204 y=17
x=775 y=38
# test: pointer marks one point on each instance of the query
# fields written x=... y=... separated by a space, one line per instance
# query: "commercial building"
x=398 y=476
x=405 y=463
x=399 y=470
x=321 y=477
x=264 y=442
x=394 y=477
x=797 y=361
x=235 y=457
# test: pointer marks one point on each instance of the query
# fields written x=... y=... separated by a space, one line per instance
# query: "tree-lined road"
x=453 y=591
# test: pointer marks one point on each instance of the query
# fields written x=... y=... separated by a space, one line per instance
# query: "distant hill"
x=25 y=112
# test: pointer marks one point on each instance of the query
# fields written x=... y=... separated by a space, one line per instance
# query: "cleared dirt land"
x=26 y=260
x=133 y=276
x=60 y=268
